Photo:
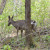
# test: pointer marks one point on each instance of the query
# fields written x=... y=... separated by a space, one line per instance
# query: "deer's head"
x=10 y=20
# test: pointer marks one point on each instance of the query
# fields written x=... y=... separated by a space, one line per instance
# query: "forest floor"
x=41 y=40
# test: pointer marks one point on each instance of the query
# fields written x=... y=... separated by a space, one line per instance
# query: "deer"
x=20 y=24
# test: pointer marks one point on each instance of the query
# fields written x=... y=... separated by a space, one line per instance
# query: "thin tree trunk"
x=17 y=6
x=28 y=22
x=14 y=7
x=2 y=5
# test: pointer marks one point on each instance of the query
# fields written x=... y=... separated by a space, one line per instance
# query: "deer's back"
x=20 y=24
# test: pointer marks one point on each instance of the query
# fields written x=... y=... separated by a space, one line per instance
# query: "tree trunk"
x=2 y=5
x=28 y=22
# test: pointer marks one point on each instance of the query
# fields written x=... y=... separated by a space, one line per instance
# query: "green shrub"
x=6 y=47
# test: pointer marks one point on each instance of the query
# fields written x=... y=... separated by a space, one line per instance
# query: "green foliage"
x=39 y=10
x=38 y=13
x=0 y=1
x=7 y=47
x=46 y=38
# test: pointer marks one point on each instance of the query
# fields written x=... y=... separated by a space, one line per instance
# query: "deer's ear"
x=9 y=17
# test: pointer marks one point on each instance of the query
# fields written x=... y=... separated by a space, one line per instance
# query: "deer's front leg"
x=21 y=33
x=17 y=35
